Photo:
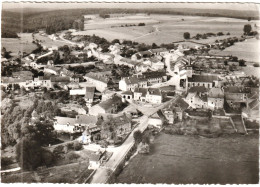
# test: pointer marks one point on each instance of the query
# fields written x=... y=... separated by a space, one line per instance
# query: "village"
x=100 y=94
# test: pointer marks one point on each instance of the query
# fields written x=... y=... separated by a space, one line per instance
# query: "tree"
x=28 y=154
x=138 y=136
x=247 y=29
x=242 y=62
x=186 y=35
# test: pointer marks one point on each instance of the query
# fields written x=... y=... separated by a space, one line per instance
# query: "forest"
x=57 y=20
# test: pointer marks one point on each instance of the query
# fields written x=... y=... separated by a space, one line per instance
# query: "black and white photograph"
x=130 y=92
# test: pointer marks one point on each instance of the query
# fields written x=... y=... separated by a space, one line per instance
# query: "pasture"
x=175 y=159
x=46 y=41
x=22 y=44
x=164 y=28
x=247 y=50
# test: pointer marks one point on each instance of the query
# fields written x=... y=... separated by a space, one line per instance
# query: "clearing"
x=231 y=159
x=22 y=44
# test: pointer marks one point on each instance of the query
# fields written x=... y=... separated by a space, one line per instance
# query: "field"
x=186 y=159
x=46 y=41
x=23 y=44
x=238 y=49
x=164 y=28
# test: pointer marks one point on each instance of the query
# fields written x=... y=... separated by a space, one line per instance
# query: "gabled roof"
x=60 y=79
x=216 y=93
x=14 y=80
x=87 y=119
x=181 y=103
x=199 y=89
x=134 y=80
x=110 y=102
x=95 y=76
x=235 y=89
x=203 y=78
x=154 y=91
x=153 y=74
x=254 y=105
x=141 y=90
x=22 y=74
x=90 y=92
x=158 y=50
x=65 y=120
x=127 y=93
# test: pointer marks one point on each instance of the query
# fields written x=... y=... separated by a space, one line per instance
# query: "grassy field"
x=166 y=28
x=22 y=44
x=186 y=159
x=251 y=54
x=46 y=41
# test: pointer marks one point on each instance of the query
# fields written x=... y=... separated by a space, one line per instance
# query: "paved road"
x=101 y=176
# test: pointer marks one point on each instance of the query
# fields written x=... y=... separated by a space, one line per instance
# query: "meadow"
x=22 y=44
x=165 y=28
x=46 y=41
x=176 y=159
x=247 y=50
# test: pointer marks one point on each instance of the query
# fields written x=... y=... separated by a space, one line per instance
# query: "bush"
x=5 y=161
x=72 y=156
x=59 y=149
x=77 y=146
x=186 y=35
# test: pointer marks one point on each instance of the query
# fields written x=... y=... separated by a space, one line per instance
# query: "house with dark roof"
x=208 y=81
x=175 y=110
x=127 y=95
x=99 y=80
x=115 y=127
x=215 y=98
x=154 y=77
x=89 y=95
x=73 y=125
x=110 y=106
x=151 y=95
x=130 y=83
x=156 y=120
x=159 y=51
x=236 y=97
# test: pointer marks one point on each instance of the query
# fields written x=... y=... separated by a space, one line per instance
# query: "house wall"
x=155 y=122
x=100 y=86
x=94 y=164
x=64 y=128
x=215 y=103
x=154 y=99
x=205 y=84
x=123 y=85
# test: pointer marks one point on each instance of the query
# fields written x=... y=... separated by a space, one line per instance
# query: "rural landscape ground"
x=185 y=160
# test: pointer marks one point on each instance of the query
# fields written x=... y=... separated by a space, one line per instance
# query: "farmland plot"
x=22 y=44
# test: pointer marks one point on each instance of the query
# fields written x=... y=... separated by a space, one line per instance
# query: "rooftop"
x=216 y=93
x=199 y=89
x=203 y=78
x=90 y=92
x=98 y=77
x=235 y=89
x=110 y=102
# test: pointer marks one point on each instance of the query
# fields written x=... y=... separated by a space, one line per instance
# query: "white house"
x=215 y=98
x=101 y=82
x=155 y=121
x=130 y=83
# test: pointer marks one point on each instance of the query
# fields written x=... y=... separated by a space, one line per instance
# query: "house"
x=22 y=74
x=130 y=83
x=141 y=54
x=208 y=81
x=89 y=95
x=109 y=106
x=116 y=127
x=151 y=95
x=157 y=64
x=80 y=91
x=41 y=81
x=65 y=124
x=159 y=51
x=175 y=110
x=127 y=95
x=95 y=160
x=125 y=61
x=251 y=111
x=154 y=77
x=107 y=94
x=236 y=97
x=73 y=125
x=10 y=81
x=101 y=82
x=197 y=97
x=216 y=98
x=155 y=121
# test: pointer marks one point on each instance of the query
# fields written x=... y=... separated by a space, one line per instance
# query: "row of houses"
x=142 y=81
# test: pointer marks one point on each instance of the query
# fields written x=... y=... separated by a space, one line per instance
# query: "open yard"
x=231 y=159
x=22 y=44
